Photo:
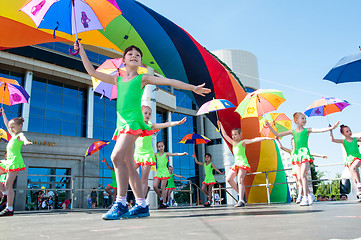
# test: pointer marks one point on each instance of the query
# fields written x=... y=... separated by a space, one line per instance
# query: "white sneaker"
x=304 y=201
x=311 y=198
x=299 y=198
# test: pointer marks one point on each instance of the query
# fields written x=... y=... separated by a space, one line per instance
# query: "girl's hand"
x=194 y=155
x=324 y=156
x=1 y=111
x=182 y=121
x=77 y=45
x=182 y=154
x=28 y=143
x=219 y=123
x=200 y=90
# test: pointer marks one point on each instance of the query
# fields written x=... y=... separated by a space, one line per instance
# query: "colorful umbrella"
x=194 y=138
x=4 y=135
x=325 y=106
x=279 y=121
x=260 y=102
x=346 y=70
x=11 y=92
x=111 y=67
x=71 y=16
x=214 y=105
x=95 y=146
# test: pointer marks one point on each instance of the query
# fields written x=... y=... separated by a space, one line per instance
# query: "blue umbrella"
x=348 y=69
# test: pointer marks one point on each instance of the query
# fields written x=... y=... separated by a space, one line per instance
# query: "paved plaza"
x=323 y=220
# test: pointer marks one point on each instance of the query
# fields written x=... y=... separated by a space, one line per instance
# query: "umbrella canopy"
x=325 y=106
x=11 y=92
x=194 y=138
x=4 y=135
x=346 y=70
x=260 y=102
x=111 y=67
x=95 y=146
x=214 y=105
x=279 y=121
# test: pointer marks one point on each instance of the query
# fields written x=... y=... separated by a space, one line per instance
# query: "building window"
x=215 y=141
x=57 y=108
x=249 y=90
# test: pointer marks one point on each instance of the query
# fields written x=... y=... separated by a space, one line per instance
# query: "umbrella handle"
x=73 y=53
x=218 y=129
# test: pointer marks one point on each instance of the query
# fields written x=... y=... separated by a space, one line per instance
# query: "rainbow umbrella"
x=260 y=102
x=95 y=146
x=11 y=92
x=325 y=106
x=214 y=105
x=279 y=121
x=194 y=138
x=4 y=135
x=111 y=67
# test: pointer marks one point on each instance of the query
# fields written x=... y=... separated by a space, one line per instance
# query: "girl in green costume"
x=144 y=155
x=163 y=175
x=302 y=156
x=14 y=162
x=241 y=165
x=130 y=125
x=111 y=188
x=209 y=181
x=294 y=167
x=170 y=185
x=353 y=155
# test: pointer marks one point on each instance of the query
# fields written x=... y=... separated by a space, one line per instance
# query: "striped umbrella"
x=279 y=121
x=95 y=146
x=11 y=92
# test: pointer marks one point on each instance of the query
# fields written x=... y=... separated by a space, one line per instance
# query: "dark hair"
x=160 y=142
x=208 y=154
x=131 y=48
x=342 y=127
x=18 y=120
x=237 y=129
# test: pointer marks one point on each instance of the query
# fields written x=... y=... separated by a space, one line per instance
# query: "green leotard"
x=162 y=170
x=129 y=113
x=209 y=178
x=144 y=153
x=170 y=184
x=301 y=152
x=240 y=157
x=352 y=151
x=114 y=181
x=14 y=160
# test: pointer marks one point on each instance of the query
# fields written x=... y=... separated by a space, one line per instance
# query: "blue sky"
x=296 y=44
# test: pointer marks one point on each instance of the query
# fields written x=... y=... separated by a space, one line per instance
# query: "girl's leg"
x=145 y=176
x=304 y=168
x=156 y=188
x=210 y=188
x=242 y=189
x=123 y=162
x=169 y=191
x=230 y=179
x=354 y=171
x=204 y=189
x=2 y=186
x=10 y=178
x=107 y=189
x=163 y=184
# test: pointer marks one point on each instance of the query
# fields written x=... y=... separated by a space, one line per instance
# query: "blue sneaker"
x=116 y=212
x=137 y=211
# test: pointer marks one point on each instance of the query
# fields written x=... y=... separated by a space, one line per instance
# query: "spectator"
x=333 y=198
x=343 y=197
x=319 y=198
x=106 y=199
x=94 y=197
x=89 y=202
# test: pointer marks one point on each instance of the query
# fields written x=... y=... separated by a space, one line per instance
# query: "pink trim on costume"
x=170 y=188
x=162 y=178
x=111 y=187
x=352 y=162
x=211 y=183
x=12 y=170
x=145 y=163
x=303 y=161
x=140 y=132
x=237 y=167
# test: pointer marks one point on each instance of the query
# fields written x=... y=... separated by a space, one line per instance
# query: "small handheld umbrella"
x=260 y=102
x=11 y=92
x=4 y=135
x=326 y=106
x=279 y=121
x=195 y=139
x=112 y=67
x=214 y=106
x=71 y=16
x=95 y=146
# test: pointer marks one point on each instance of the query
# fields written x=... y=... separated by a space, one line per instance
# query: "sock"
x=122 y=200
x=5 y=193
x=10 y=208
x=359 y=185
x=141 y=202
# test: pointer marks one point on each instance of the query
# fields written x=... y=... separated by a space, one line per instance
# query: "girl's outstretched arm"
x=24 y=139
x=6 y=121
x=289 y=132
x=254 y=140
x=196 y=160
x=106 y=164
x=168 y=124
x=321 y=130
x=217 y=170
x=176 y=175
x=90 y=69
x=283 y=148
x=176 y=154
x=318 y=155
x=333 y=139
x=200 y=89
x=224 y=134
